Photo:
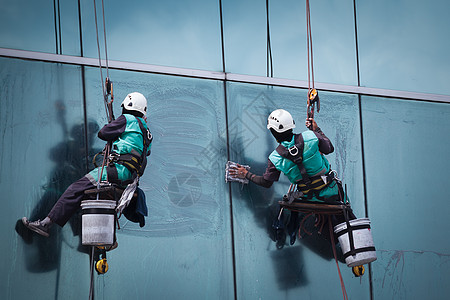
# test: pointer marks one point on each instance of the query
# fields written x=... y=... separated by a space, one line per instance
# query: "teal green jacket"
x=126 y=136
x=314 y=161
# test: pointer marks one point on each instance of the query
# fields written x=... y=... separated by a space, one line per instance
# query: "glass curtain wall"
x=205 y=238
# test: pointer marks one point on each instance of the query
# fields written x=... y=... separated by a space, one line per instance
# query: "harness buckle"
x=113 y=157
x=293 y=150
x=334 y=176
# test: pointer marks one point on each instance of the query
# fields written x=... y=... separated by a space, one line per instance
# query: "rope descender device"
x=313 y=98
x=109 y=88
x=109 y=93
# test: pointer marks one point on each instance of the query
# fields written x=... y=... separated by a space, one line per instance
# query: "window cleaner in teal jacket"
x=301 y=157
x=131 y=143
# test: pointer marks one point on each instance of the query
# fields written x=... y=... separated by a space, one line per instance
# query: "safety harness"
x=309 y=186
x=134 y=161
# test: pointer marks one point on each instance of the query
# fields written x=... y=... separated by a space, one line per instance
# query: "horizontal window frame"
x=218 y=75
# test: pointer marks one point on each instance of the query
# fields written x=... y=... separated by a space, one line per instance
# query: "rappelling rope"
x=106 y=87
x=344 y=291
x=309 y=47
x=106 y=90
x=312 y=96
x=269 y=62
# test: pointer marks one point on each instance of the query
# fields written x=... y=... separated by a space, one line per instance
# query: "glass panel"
x=186 y=242
x=27 y=25
x=403 y=45
x=332 y=30
x=171 y=33
x=42 y=152
x=301 y=269
x=70 y=28
x=406 y=144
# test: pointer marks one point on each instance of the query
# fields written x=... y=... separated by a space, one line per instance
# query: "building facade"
x=212 y=71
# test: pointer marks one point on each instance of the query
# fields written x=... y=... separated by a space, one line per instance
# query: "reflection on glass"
x=42 y=151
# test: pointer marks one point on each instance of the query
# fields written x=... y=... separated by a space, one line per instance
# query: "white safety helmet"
x=135 y=101
x=280 y=120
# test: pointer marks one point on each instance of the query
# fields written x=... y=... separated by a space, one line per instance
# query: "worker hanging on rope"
x=131 y=141
x=301 y=158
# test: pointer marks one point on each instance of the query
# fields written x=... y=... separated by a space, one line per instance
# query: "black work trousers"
x=69 y=202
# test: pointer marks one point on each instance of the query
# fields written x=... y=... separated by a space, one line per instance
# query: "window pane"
x=42 y=152
x=70 y=28
x=404 y=45
x=406 y=145
x=27 y=25
x=332 y=31
x=186 y=241
x=301 y=269
x=171 y=33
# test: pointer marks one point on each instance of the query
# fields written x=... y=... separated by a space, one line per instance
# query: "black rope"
x=59 y=28
x=269 y=62
x=56 y=27
x=109 y=116
x=99 y=58
x=92 y=261
x=104 y=34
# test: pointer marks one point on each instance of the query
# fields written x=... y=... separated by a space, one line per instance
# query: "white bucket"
x=97 y=222
x=362 y=240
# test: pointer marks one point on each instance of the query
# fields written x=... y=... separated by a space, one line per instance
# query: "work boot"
x=37 y=226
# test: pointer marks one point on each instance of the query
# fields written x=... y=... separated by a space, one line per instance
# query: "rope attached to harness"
x=313 y=96
x=107 y=91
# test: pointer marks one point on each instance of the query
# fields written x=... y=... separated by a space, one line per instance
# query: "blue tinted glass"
x=301 y=269
x=187 y=231
x=42 y=152
x=406 y=145
x=403 y=46
x=171 y=33
x=332 y=30
x=70 y=29
x=27 y=25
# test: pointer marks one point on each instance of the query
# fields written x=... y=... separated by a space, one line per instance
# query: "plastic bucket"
x=97 y=222
x=362 y=240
